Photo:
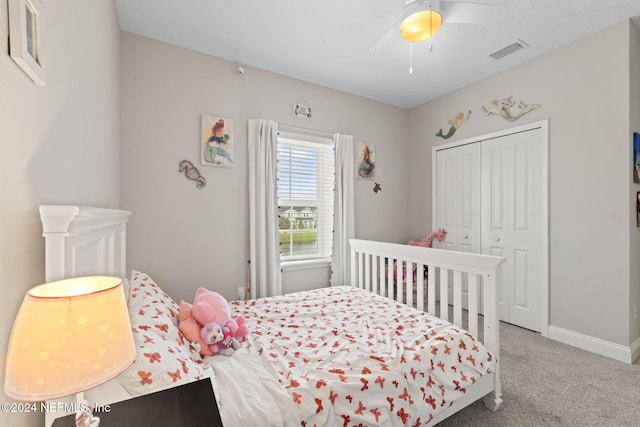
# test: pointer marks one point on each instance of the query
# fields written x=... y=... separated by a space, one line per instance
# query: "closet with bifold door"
x=490 y=194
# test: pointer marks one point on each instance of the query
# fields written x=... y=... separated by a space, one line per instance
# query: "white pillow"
x=164 y=357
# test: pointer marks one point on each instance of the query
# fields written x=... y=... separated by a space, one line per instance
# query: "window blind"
x=306 y=180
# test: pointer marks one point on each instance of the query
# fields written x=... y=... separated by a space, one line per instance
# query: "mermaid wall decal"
x=503 y=108
x=455 y=123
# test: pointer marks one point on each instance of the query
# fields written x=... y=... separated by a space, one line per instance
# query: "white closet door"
x=458 y=197
x=497 y=204
x=458 y=203
x=446 y=198
x=513 y=222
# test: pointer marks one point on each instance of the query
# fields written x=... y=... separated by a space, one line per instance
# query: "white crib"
x=399 y=272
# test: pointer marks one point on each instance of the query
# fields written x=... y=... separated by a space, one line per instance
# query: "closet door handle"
x=466 y=236
x=498 y=239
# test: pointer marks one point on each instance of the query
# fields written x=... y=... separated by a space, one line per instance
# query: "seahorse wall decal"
x=192 y=173
x=503 y=108
x=455 y=123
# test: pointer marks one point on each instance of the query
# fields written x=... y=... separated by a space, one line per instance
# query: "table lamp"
x=69 y=336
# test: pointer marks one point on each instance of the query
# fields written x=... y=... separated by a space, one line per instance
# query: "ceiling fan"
x=421 y=19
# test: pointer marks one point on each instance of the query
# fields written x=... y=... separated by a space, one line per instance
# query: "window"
x=306 y=179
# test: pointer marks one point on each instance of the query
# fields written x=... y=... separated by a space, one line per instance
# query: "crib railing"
x=400 y=272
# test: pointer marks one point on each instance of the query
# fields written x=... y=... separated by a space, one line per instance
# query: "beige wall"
x=60 y=143
x=634 y=115
x=583 y=88
x=187 y=237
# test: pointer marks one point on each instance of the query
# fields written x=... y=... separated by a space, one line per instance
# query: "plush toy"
x=426 y=242
x=219 y=339
x=209 y=307
x=190 y=328
x=237 y=325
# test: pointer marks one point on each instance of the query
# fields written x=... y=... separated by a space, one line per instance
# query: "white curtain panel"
x=264 y=246
x=344 y=220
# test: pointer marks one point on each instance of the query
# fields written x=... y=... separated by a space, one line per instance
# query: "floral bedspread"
x=350 y=357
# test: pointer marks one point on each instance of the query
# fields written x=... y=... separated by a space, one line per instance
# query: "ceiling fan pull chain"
x=410 y=58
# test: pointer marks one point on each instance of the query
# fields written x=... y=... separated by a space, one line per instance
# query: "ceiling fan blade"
x=454 y=11
x=391 y=34
x=465 y=12
x=479 y=2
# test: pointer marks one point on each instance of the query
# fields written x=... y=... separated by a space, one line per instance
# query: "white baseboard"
x=596 y=345
x=635 y=350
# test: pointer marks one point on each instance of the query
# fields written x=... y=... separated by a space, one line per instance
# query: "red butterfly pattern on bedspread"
x=350 y=357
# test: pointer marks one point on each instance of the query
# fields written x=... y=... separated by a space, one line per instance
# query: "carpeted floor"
x=547 y=383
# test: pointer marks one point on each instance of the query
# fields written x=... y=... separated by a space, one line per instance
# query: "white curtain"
x=264 y=242
x=344 y=220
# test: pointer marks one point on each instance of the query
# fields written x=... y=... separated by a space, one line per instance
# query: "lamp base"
x=84 y=416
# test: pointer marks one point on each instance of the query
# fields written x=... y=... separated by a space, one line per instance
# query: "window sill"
x=305 y=264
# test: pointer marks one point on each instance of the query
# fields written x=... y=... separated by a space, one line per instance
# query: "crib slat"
x=431 y=290
x=473 y=304
x=390 y=277
x=374 y=274
x=367 y=272
x=410 y=284
x=444 y=293
x=353 y=267
x=383 y=288
x=398 y=280
x=457 y=298
x=420 y=287
x=360 y=269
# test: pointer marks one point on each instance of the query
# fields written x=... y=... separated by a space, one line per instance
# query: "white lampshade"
x=69 y=336
x=420 y=22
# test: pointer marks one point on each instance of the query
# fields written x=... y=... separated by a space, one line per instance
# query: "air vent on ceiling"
x=513 y=47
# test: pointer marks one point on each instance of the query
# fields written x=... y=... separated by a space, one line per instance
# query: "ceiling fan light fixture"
x=420 y=23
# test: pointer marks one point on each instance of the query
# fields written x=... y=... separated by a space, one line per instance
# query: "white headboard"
x=83 y=241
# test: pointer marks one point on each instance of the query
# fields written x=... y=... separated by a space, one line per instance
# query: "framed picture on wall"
x=636 y=157
x=366 y=160
x=216 y=145
x=25 y=37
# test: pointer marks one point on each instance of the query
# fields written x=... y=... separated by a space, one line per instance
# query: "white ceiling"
x=327 y=42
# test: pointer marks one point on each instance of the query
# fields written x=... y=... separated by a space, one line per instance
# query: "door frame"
x=543 y=125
